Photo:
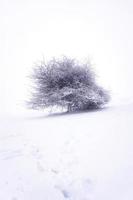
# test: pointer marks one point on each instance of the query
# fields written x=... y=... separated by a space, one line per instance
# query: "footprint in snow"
x=79 y=190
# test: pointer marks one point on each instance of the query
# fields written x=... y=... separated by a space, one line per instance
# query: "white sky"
x=33 y=29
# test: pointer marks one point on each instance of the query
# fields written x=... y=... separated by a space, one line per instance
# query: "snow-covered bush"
x=68 y=84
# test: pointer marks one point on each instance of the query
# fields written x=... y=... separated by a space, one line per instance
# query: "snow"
x=83 y=156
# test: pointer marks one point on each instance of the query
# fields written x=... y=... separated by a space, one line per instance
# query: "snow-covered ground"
x=83 y=156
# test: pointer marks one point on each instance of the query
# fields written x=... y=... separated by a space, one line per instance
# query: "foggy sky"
x=31 y=30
